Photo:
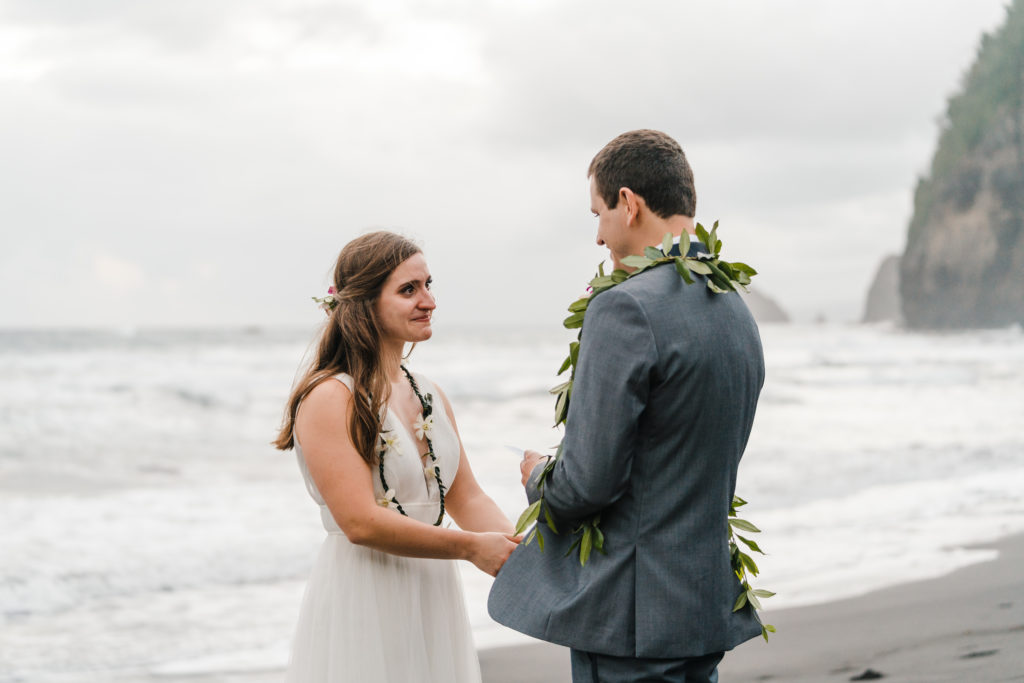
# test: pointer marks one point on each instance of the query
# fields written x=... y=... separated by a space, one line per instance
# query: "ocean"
x=148 y=531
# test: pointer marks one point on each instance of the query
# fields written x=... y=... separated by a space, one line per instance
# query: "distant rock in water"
x=964 y=262
x=884 y=295
x=764 y=309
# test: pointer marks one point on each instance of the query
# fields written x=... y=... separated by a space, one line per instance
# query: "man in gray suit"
x=663 y=401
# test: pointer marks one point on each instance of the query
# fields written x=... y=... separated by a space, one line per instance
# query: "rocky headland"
x=763 y=308
x=964 y=262
x=883 y=302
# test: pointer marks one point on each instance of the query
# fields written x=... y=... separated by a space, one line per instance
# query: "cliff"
x=763 y=308
x=964 y=262
x=883 y=301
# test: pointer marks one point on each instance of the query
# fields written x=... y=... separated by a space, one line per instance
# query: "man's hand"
x=530 y=460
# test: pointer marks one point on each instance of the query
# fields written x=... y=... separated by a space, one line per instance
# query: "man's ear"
x=632 y=203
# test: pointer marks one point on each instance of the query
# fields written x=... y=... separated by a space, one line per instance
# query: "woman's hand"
x=489 y=550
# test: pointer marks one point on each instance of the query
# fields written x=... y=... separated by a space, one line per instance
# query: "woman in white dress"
x=380 y=453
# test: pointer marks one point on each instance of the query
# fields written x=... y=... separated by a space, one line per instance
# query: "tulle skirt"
x=370 y=616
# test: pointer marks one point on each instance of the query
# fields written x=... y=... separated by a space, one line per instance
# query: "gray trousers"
x=590 y=667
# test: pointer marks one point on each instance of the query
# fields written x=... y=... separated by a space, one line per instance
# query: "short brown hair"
x=652 y=165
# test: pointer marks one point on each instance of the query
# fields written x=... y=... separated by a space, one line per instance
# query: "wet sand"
x=965 y=626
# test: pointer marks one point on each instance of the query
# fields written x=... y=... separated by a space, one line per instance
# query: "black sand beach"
x=965 y=626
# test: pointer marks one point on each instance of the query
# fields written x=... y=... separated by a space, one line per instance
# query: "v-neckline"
x=424 y=457
x=412 y=436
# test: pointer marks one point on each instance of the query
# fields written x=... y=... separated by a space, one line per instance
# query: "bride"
x=380 y=454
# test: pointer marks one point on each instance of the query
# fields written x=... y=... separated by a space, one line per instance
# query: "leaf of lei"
x=720 y=277
x=427 y=408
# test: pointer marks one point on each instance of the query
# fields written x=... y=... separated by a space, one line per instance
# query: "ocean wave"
x=139 y=486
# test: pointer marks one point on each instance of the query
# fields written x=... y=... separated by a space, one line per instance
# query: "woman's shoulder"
x=320 y=408
x=330 y=390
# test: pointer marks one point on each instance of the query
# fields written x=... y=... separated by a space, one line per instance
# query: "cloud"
x=805 y=72
x=183 y=26
x=116 y=273
x=258 y=136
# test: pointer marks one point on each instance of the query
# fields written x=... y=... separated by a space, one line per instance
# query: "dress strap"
x=347 y=380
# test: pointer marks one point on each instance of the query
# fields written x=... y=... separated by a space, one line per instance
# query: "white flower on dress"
x=423 y=427
x=389 y=497
x=389 y=444
x=428 y=470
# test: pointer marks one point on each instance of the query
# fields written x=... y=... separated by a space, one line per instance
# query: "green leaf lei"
x=427 y=408
x=721 y=277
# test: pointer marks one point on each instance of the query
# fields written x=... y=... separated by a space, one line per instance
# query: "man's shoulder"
x=650 y=288
x=638 y=303
x=623 y=295
x=664 y=301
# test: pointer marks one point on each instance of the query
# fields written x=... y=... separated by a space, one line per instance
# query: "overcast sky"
x=192 y=162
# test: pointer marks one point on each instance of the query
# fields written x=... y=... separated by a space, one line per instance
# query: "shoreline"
x=965 y=625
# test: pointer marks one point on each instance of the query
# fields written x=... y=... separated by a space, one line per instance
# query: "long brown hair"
x=350 y=341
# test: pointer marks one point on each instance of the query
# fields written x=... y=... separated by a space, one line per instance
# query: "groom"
x=664 y=396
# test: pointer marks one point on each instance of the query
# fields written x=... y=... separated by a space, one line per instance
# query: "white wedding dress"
x=372 y=616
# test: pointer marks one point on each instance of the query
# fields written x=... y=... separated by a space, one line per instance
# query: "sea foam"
x=150 y=528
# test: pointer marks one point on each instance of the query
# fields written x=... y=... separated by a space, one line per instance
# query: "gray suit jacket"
x=664 y=398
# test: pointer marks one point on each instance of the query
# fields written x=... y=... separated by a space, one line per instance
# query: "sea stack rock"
x=964 y=262
x=763 y=308
x=883 y=302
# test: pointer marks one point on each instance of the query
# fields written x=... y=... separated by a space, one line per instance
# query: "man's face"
x=612 y=231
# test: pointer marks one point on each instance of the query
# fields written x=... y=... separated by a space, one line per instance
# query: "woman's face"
x=405 y=303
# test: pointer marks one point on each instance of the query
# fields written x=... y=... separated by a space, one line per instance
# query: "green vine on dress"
x=720 y=277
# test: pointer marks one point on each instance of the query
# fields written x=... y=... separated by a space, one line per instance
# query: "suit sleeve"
x=617 y=354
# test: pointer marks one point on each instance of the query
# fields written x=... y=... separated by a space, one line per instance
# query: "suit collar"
x=696 y=247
